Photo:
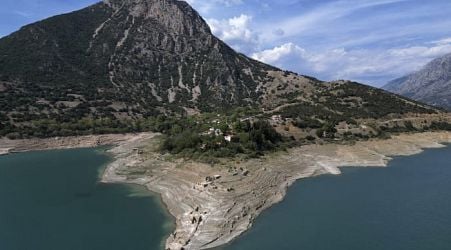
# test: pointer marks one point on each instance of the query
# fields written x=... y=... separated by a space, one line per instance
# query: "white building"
x=276 y=118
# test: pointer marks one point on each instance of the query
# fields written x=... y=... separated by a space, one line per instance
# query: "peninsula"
x=214 y=205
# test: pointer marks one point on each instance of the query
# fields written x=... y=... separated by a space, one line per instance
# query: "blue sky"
x=371 y=41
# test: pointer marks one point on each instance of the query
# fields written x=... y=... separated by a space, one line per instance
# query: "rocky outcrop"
x=146 y=56
x=185 y=64
x=431 y=85
x=117 y=62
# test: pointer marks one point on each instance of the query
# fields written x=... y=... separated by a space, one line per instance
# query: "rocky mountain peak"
x=431 y=84
x=131 y=59
x=176 y=15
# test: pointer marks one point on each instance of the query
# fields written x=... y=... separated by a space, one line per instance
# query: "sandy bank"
x=4 y=151
x=212 y=212
x=16 y=146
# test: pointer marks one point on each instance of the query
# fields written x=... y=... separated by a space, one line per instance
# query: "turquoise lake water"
x=404 y=207
x=53 y=201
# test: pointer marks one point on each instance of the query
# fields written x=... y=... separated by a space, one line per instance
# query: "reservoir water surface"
x=53 y=200
x=406 y=206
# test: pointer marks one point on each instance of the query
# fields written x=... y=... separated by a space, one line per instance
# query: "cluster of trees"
x=359 y=101
x=184 y=136
x=307 y=123
x=349 y=101
x=327 y=130
x=52 y=128
x=440 y=126
x=250 y=138
x=44 y=128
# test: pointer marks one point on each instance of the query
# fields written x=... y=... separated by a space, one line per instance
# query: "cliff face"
x=432 y=84
x=177 y=16
x=168 y=47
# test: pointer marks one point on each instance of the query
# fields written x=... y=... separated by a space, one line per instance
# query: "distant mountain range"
x=431 y=84
x=131 y=59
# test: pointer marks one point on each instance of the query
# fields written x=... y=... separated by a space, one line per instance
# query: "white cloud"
x=423 y=51
x=442 y=41
x=205 y=6
x=24 y=14
x=371 y=41
x=236 y=31
x=356 y=64
x=320 y=18
x=273 y=56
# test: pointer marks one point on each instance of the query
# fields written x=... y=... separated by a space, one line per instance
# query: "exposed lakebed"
x=53 y=200
x=406 y=206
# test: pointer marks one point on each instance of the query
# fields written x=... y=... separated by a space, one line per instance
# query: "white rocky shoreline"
x=24 y=145
x=212 y=212
x=214 y=205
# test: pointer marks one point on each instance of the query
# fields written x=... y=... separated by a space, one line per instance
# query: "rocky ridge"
x=134 y=59
x=431 y=84
x=145 y=56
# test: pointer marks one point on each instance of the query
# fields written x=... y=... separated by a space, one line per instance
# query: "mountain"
x=124 y=60
x=431 y=84
x=140 y=54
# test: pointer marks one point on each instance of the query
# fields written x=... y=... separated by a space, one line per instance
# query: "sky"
x=370 y=41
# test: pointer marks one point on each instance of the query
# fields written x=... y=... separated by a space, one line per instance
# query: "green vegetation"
x=347 y=102
x=192 y=139
x=205 y=136
x=440 y=126
x=45 y=128
x=360 y=101
x=327 y=131
x=54 y=70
